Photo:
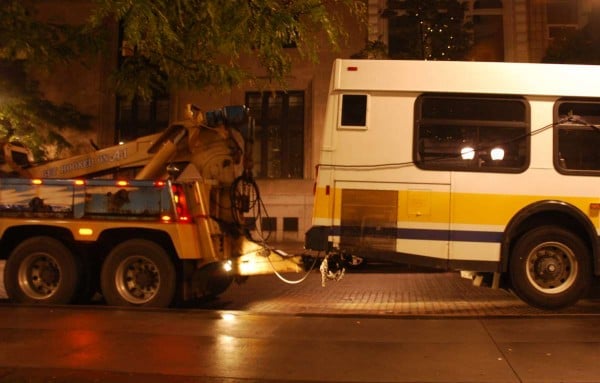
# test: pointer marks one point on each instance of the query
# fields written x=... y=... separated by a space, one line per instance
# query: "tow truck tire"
x=218 y=280
x=41 y=270
x=138 y=272
x=550 y=268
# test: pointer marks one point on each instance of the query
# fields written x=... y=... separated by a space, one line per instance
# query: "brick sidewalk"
x=393 y=294
x=378 y=293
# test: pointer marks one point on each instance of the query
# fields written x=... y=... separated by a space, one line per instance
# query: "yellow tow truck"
x=176 y=231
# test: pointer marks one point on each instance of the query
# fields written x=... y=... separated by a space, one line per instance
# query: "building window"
x=576 y=142
x=561 y=17
x=487 y=4
x=290 y=224
x=268 y=224
x=136 y=118
x=471 y=133
x=278 y=149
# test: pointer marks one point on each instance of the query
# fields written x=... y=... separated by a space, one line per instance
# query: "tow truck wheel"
x=138 y=272
x=550 y=268
x=41 y=270
x=218 y=280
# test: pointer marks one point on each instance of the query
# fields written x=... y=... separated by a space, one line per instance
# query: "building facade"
x=289 y=120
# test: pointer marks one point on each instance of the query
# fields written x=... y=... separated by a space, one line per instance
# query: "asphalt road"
x=368 y=327
x=103 y=344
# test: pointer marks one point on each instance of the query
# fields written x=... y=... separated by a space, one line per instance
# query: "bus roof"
x=467 y=77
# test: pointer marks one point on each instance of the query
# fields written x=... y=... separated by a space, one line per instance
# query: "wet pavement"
x=103 y=344
x=379 y=325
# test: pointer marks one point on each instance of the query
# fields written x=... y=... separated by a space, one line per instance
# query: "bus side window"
x=575 y=143
x=471 y=133
x=354 y=111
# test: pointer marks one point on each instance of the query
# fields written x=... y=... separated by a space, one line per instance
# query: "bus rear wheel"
x=42 y=270
x=550 y=268
x=138 y=272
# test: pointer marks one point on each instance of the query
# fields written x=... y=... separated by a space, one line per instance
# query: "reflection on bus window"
x=576 y=143
x=471 y=133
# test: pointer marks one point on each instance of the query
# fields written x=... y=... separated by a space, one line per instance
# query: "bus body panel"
x=453 y=216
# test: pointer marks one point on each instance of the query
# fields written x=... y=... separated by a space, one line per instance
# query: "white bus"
x=492 y=169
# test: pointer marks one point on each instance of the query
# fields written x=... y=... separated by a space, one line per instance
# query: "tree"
x=581 y=46
x=196 y=44
x=428 y=29
x=173 y=44
x=27 y=44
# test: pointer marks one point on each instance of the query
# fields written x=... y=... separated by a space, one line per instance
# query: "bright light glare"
x=85 y=231
x=227 y=266
x=467 y=153
x=497 y=154
x=228 y=317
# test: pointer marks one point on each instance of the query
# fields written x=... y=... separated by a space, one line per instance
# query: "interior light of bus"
x=122 y=183
x=467 y=153
x=86 y=231
x=497 y=154
x=36 y=181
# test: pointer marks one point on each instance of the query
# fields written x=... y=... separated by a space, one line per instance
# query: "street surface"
x=101 y=344
x=369 y=327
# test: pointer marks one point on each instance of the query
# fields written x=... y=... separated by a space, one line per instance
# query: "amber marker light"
x=86 y=231
x=36 y=181
x=79 y=182
x=122 y=183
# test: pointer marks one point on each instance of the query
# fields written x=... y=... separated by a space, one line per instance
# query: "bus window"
x=354 y=111
x=575 y=143
x=471 y=133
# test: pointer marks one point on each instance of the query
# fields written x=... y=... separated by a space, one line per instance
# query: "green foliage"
x=26 y=44
x=580 y=46
x=169 y=44
x=196 y=44
x=428 y=29
x=373 y=50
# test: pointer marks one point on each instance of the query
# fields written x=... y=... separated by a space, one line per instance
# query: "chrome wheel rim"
x=552 y=267
x=137 y=279
x=39 y=275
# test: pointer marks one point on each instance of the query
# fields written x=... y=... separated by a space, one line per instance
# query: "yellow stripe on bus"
x=466 y=208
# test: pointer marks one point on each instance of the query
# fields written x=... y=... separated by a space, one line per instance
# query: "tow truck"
x=176 y=231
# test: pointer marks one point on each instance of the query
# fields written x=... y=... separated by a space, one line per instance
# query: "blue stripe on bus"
x=421 y=234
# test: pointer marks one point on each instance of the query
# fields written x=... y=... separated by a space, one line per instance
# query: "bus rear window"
x=471 y=133
x=577 y=136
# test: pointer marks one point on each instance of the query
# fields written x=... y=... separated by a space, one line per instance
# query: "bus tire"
x=138 y=272
x=41 y=270
x=550 y=268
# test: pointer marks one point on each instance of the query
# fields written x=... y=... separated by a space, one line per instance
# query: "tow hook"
x=333 y=267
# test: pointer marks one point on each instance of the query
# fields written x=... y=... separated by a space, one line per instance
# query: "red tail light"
x=181 y=206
